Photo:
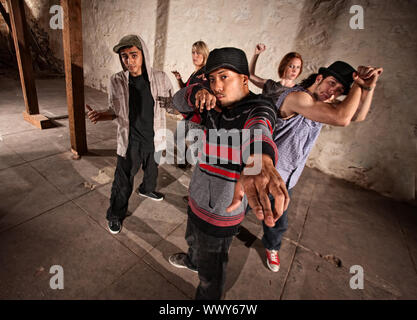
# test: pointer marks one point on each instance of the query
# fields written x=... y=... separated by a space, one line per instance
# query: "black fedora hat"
x=342 y=71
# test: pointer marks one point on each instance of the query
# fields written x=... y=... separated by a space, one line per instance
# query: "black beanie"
x=229 y=58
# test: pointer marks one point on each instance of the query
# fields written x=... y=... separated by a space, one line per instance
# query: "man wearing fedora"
x=230 y=172
x=302 y=110
x=136 y=101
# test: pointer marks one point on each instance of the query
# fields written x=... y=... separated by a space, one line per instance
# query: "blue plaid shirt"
x=294 y=137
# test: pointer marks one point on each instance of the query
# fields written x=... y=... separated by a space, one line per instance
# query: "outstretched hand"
x=96 y=116
x=257 y=188
x=205 y=100
x=93 y=115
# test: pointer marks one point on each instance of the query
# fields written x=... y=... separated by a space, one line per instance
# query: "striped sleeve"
x=258 y=133
x=184 y=102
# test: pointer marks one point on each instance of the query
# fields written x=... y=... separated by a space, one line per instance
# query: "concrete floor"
x=52 y=212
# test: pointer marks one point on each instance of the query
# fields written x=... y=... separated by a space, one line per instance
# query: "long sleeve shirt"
x=232 y=135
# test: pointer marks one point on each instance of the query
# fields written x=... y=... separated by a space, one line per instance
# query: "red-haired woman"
x=289 y=69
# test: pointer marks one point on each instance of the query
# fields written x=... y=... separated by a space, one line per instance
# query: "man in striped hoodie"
x=236 y=166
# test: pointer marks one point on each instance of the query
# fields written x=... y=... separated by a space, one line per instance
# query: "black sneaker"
x=115 y=226
x=179 y=260
x=157 y=196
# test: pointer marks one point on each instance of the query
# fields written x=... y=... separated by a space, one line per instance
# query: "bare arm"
x=370 y=79
x=364 y=105
x=257 y=81
x=302 y=103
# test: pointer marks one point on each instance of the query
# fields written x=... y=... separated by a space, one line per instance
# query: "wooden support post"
x=74 y=76
x=24 y=60
x=5 y=16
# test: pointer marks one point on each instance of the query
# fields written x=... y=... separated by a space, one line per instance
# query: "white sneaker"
x=272 y=260
x=179 y=260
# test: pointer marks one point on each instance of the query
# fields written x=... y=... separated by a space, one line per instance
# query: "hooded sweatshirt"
x=230 y=137
x=118 y=103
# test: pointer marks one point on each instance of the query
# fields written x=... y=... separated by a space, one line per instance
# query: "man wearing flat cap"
x=236 y=166
x=302 y=110
x=136 y=95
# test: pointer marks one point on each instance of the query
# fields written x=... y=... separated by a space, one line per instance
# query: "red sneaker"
x=272 y=260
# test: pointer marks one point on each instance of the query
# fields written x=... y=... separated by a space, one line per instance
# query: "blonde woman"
x=199 y=54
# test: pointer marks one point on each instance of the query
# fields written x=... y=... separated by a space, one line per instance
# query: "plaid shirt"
x=294 y=137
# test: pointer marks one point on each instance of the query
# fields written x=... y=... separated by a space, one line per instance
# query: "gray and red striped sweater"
x=230 y=137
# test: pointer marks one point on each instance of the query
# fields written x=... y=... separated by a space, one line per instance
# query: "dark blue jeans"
x=273 y=235
x=210 y=256
x=126 y=170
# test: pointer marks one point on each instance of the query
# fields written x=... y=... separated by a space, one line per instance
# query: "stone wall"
x=378 y=154
x=7 y=55
x=47 y=51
